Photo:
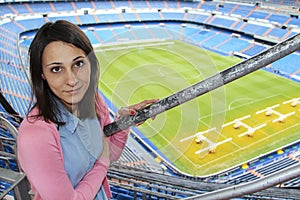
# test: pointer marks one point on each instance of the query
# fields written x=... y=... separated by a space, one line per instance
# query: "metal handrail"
x=17 y=179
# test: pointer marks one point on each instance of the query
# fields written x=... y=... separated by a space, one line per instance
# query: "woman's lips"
x=73 y=91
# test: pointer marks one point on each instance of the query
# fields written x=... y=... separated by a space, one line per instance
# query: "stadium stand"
x=210 y=26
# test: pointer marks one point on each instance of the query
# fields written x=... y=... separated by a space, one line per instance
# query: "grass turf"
x=130 y=75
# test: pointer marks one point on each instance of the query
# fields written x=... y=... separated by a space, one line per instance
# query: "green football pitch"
x=221 y=129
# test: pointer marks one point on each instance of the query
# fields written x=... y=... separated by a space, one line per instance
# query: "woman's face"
x=67 y=70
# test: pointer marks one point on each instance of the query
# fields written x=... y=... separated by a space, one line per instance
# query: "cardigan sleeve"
x=40 y=156
x=118 y=140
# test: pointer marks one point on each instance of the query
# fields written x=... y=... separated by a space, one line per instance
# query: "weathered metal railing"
x=241 y=190
x=237 y=71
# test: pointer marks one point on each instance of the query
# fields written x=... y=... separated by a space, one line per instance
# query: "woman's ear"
x=43 y=77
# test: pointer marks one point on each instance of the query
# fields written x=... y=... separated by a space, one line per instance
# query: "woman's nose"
x=71 y=78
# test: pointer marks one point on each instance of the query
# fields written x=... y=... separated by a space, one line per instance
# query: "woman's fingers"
x=125 y=111
x=131 y=110
x=143 y=104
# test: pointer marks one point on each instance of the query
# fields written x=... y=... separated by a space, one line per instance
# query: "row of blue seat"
x=263 y=166
x=247 y=11
x=211 y=43
x=233 y=44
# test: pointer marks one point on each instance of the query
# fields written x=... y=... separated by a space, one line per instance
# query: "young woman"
x=61 y=145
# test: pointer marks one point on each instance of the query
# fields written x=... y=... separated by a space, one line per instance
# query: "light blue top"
x=81 y=142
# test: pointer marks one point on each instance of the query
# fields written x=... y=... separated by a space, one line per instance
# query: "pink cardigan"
x=40 y=156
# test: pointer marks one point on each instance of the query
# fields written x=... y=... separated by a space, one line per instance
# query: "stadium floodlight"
x=222 y=78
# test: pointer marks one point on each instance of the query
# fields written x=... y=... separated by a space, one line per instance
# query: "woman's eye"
x=55 y=69
x=79 y=64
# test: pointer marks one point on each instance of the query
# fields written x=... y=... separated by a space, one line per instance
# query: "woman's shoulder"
x=32 y=123
x=36 y=138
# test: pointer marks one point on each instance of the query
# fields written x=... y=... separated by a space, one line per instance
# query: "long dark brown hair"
x=67 y=32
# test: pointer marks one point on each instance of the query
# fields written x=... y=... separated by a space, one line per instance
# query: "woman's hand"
x=132 y=109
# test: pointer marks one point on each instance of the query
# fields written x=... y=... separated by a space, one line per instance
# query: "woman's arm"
x=40 y=156
x=116 y=141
